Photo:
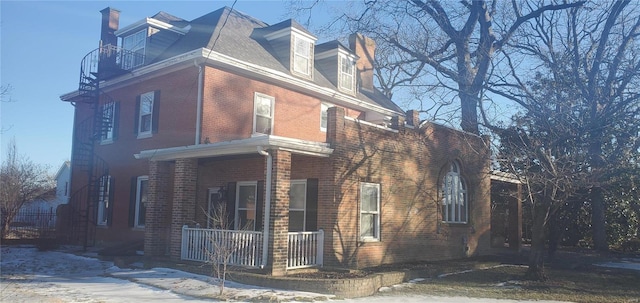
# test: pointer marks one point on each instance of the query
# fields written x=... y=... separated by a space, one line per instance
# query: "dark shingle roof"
x=241 y=36
x=329 y=45
x=171 y=19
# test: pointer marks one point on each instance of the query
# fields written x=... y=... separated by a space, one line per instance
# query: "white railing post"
x=244 y=245
x=185 y=241
x=320 y=247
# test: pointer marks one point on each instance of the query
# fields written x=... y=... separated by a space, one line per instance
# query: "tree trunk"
x=469 y=109
x=555 y=234
x=598 y=222
x=536 y=257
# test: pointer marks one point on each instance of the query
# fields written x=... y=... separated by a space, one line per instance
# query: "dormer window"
x=302 y=56
x=346 y=73
x=134 y=45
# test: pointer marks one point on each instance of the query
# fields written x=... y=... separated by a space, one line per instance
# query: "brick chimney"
x=364 y=48
x=110 y=22
x=108 y=55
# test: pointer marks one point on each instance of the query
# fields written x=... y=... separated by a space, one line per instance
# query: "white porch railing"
x=305 y=249
x=244 y=248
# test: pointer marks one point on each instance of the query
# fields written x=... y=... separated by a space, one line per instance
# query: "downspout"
x=267 y=207
x=199 y=103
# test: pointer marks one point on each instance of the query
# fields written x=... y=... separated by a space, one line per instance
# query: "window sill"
x=138 y=228
x=369 y=240
x=106 y=142
x=144 y=136
x=103 y=226
x=456 y=223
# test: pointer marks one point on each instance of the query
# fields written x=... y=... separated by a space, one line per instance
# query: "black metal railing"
x=106 y=62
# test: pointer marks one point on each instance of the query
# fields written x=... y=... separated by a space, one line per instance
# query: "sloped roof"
x=171 y=19
x=240 y=36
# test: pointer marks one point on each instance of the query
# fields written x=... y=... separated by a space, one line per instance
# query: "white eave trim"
x=214 y=58
x=505 y=177
x=238 y=147
x=287 y=31
x=151 y=22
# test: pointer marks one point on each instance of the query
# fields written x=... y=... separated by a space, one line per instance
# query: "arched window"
x=454 y=196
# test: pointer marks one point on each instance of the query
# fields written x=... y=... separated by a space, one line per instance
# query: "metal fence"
x=32 y=223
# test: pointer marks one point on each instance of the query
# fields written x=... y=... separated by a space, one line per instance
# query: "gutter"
x=199 y=103
x=267 y=207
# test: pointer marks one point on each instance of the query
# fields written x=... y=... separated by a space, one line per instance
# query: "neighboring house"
x=51 y=199
x=314 y=164
x=43 y=208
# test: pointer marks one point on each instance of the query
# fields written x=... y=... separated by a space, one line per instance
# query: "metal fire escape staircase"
x=98 y=65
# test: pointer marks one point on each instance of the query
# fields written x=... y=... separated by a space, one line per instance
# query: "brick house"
x=174 y=118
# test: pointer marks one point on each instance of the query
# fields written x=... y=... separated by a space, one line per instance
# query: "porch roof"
x=238 y=147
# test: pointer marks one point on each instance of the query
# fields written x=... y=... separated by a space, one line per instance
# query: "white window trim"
x=236 y=215
x=129 y=61
x=342 y=74
x=255 y=113
x=324 y=108
x=376 y=236
x=450 y=212
x=107 y=138
x=210 y=209
x=304 y=207
x=148 y=133
x=103 y=200
x=310 y=44
x=138 y=201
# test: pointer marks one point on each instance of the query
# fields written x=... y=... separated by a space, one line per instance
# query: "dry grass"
x=571 y=278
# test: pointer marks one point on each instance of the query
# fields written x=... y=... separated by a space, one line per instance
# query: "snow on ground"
x=28 y=275
x=628 y=263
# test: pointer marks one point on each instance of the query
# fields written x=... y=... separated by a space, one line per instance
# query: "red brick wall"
x=228 y=109
x=176 y=127
x=409 y=166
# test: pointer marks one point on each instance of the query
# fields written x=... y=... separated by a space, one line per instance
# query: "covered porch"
x=273 y=228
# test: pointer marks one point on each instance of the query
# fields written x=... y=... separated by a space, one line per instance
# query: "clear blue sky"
x=42 y=44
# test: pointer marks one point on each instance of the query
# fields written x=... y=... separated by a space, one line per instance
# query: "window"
x=217 y=216
x=108 y=122
x=263 y=109
x=141 y=201
x=324 y=107
x=346 y=73
x=145 y=123
x=302 y=55
x=454 y=196
x=134 y=45
x=246 y=206
x=370 y=211
x=104 y=195
x=297 y=205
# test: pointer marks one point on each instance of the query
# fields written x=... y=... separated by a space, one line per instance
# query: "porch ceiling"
x=238 y=147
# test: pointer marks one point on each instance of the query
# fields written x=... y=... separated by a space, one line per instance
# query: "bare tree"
x=579 y=120
x=223 y=242
x=450 y=45
x=5 y=96
x=541 y=148
x=591 y=52
x=21 y=181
